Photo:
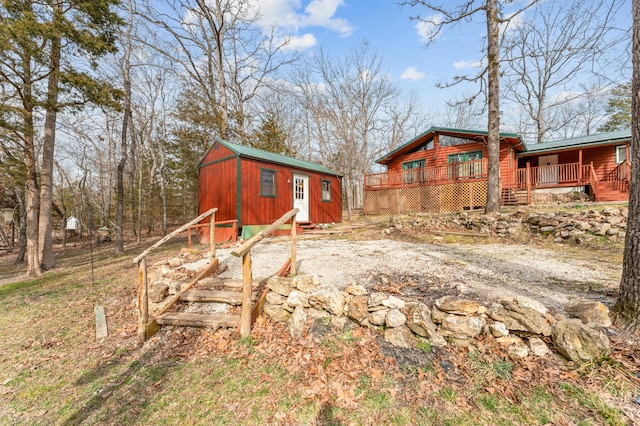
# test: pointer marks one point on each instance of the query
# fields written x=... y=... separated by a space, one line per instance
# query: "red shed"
x=257 y=187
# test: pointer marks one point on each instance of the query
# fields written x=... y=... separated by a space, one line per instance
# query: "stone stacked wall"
x=563 y=226
x=523 y=325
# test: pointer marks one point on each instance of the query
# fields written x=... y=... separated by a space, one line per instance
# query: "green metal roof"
x=435 y=130
x=258 y=154
x=608 y=138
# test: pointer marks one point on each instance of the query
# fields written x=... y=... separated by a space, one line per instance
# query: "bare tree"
x=224 y=52
x=627 y=307
x=347 y=99
x=546 y=52
x=494 y=18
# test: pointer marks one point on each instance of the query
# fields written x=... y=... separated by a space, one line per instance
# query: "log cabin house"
x=255 y=187
x=445 y=170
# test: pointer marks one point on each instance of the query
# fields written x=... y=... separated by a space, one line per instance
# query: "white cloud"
x=465 y=65
x=513 y=23
x=286 y=14
x=413 y=74
x=302 y=42
x=321 y=13
x=427 y=28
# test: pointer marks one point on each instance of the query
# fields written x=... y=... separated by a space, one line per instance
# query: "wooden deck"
x=386 y=190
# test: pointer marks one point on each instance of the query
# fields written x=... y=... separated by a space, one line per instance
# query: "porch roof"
x=514 y=138
x=609 y=138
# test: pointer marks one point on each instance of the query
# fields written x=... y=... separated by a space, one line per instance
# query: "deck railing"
x=552 y=175
x=621 y=173
x=453 y=172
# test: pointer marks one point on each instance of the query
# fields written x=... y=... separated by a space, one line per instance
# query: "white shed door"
x=301 y=197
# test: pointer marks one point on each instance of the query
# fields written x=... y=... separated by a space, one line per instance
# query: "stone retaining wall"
x=523 y=325
x=563 y=226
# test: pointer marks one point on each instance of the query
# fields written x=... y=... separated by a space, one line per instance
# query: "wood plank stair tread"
x=230 y=297
x=232 y=283
x=195 y=319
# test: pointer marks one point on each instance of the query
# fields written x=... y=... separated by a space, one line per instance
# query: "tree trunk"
x=45 y=239
x=627 y=308
x=31 y=181
x=126 y=68
x=493 y=139
x=22 y=229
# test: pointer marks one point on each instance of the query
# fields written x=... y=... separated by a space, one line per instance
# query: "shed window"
x=621 y=153
x=267 y=183
x=326 y=190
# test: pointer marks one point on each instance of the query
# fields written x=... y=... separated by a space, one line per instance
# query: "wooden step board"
x=230 y=297
x=229 y=282
x=192 y=319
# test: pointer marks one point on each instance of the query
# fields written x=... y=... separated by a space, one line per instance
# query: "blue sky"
x=338 y=25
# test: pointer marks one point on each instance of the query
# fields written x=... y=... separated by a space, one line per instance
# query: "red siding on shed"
x=259 y=210
x=217 y=152
x=217 y=188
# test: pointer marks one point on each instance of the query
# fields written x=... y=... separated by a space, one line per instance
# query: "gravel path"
x=488 y=271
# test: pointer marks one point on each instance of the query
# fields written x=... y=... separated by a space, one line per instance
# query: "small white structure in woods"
x=72 y=223
x=7 y=215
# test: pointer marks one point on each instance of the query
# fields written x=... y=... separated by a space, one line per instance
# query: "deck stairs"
x=514 y=197
x=613 y=190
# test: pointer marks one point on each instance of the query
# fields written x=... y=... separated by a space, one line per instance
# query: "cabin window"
x=621 y=153
x=465 y=164
x=267 y=183
x=413 y=171
x=326 y=190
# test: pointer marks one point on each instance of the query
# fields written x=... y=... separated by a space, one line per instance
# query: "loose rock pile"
x=522 y=325
x=564 y=226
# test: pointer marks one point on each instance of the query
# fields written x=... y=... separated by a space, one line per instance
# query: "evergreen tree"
x=618 y=109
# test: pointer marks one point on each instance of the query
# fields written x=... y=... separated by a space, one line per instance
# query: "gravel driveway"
x=480 y=271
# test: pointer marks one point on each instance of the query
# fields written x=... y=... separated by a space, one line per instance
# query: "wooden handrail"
x=248 y=245
x=244 y=251
x=173 y=234
x=144 y=330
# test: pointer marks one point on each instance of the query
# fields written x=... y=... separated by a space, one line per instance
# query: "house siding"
x=603 y=158
x=439 y=157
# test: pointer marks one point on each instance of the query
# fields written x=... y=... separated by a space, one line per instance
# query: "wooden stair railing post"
x=294 y=237
x=212 y=238
x=247 y=281
x=528 y=180
x=143 y=300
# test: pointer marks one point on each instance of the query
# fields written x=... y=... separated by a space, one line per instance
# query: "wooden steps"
x=230 y=283
x=513 y=197
x=202 y=296
x=612 y=191
x=306 y=226
x=193 y=319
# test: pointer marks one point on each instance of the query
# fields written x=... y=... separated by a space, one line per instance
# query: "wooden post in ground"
x=294 y=238
x=212 y=238
x=247 y=281
x=143 y=300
